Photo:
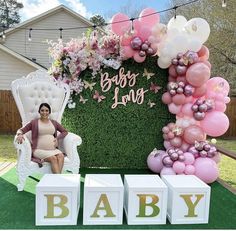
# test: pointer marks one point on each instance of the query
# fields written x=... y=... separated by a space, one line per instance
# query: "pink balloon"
x=188 y=99
x=138 y=58
x=171 y=78
x=166 y=98
x=203 y=53
x=154 y=161
x=184 y=147
x=174 y=109
x=121 y=27
x=220 y=106
x=200 y=91
x=207 y=63
x=178 y=167
x=181 y=79
x=167 y=144
x=206 y=169
x=193 y=133
x=189 y=158
x=172 y=71
x=218 y=85
x=198 y=74
x=144 y=33
x=149 y=17
x=125 y=40
x=189 y=170
x=178 y=99
x=186 y=109
x=127 y=52
x=215 y=123
x=176 y=142
x=167 y=171
x=217 y=157
x=227 y=100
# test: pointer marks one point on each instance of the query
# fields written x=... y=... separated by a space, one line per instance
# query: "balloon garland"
x=198 y=101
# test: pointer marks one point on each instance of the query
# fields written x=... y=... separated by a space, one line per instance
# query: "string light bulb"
x=132 y=26
x=30 y=35
x=60 y=29
x=224 y=3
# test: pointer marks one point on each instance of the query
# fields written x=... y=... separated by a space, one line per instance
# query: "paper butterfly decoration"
x=151 y=104
x=88 y=85
x=147 y=74
x=82 y=99
x=98 y=97
x=155 y=88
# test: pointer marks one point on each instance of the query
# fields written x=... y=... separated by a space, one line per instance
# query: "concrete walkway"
x=6 y=166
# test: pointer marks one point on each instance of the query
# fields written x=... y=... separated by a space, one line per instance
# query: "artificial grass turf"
x=17 y=209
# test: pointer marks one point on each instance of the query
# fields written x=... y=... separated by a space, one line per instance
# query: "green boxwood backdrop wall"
x=121 y=137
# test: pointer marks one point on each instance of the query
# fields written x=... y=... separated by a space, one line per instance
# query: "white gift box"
x=188 y=199
x=145 y=199
x=103 y=199
x=58 y=199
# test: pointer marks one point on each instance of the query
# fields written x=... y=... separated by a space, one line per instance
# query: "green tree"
x=9 y=13
x=222 y=39
x=98 y=20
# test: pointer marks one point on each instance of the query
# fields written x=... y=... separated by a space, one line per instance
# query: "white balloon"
x=177 y=23
x=199 y=28
x=194 y=44
x=168 y=51
x=164 y=62
x=180 y=43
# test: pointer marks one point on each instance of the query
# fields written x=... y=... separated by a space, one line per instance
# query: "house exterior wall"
x=12 y=68
x=38 y=47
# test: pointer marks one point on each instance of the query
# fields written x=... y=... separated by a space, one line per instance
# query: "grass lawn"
x=227 y=165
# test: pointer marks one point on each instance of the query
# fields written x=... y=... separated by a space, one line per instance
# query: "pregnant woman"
x=45 y=139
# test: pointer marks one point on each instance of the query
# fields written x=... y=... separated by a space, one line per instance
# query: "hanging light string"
x=105 y=24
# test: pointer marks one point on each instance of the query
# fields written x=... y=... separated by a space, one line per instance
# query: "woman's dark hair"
x=45 y=105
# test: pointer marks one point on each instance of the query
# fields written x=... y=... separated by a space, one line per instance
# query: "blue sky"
x=87 y=8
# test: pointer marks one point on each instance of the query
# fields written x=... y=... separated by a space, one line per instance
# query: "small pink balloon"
x=174 y=109
x=167 y=171
x=203 y=53
x=217 y=157
x=189 y=99
x=189 y=158
x=178 y=167
x=176 y=142
x=198 y=74
x=193 y=133
x=207 y=63
x=120 y=28
x=206 y=169
x=200 y=91
x=215 y=123
x=181 y=79
x=172 y=71
x=149 y=17
x=167 y=144
x=154 y=161
x=189 y=170
x=138 y=58
x=171 y=78
x=185 y=146
x=166 y=98
x=227 y=100
x=178 y=99
x=186 y=110
x=218 y=85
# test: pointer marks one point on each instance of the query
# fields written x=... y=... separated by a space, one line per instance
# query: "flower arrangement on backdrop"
x=198 y=101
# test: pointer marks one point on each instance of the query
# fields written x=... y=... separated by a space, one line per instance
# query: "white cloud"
x=78 y=7
x=35 y=7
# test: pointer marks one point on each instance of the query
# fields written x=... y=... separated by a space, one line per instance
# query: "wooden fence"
x=10 y=118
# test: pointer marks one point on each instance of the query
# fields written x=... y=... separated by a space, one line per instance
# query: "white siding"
x=11 y=68
x=38 y=48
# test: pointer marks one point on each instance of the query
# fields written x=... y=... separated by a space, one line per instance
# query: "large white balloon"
x=194 y=44
x=164 y=62
x=177 y=23
x=180 y=43
x=199 y=28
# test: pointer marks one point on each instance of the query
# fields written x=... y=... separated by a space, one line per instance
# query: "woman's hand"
x=20 y=138
x=55 y=143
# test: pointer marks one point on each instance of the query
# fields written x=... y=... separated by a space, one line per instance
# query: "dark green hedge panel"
x=121 y=137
